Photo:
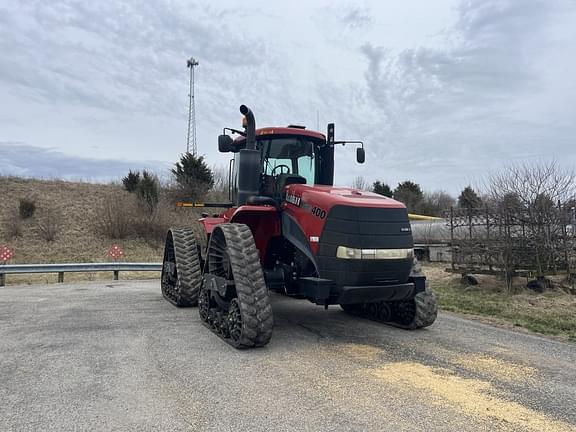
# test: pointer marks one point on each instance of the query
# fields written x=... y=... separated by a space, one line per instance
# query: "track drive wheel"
x=181 y=273
x=242 y=315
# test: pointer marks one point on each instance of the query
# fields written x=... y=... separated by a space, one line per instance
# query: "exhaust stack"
x=250 y=127
x=249 y=165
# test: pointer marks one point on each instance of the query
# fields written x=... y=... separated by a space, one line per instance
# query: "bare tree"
x=220 y=174
x=530 y=182
x=437 y=203
x=219 y=190
x=360 y=183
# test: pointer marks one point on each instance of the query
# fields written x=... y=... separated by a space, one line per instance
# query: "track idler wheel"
x=181 y=273
x=241 y=315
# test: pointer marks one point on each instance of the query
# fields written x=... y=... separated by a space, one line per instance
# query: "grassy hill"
x=74 y=210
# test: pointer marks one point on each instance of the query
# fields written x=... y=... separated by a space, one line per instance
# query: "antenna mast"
x=191 y=63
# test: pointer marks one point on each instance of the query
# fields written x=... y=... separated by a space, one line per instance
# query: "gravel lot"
x=116 y=356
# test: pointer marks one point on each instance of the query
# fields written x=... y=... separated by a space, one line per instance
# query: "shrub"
x=131 y=181
x=152 y=227
x=148 y=192
x=49 y=223
x=27 y=208
x=115 y=216
x=13 y=225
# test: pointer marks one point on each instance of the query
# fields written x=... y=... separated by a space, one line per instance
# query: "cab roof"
x=299 y=131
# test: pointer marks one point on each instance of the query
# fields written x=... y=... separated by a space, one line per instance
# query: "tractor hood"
x=326 y=197
x=329 y=217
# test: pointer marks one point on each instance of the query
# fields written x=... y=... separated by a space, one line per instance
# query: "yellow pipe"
x=416 y=217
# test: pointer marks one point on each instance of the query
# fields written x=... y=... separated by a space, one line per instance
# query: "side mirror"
x=225 y=143
x=360 y=155
x=330 y=134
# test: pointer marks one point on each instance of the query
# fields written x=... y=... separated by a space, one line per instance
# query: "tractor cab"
x=286 y=155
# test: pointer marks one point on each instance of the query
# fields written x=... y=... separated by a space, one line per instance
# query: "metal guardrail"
x=115 y=267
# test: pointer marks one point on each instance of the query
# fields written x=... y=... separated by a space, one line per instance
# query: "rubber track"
x=189 y=274
x=253 y=296
x=424 y=302
x=425 y=307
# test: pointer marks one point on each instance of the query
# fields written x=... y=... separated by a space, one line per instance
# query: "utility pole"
x=191 y=63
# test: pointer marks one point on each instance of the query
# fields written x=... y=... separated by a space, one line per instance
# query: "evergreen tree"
x=131 y=181
x=148 y=191
x=193 y=176
x=469 y=199
x=382 y=189
x=410 y=194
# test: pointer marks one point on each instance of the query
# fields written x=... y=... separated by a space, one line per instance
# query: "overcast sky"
x=440 y=91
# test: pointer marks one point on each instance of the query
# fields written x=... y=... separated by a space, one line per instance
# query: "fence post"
x=452 y=248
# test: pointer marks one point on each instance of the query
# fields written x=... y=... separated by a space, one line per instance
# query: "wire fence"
x=513 y=240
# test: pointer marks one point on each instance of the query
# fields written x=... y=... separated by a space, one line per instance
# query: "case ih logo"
x=293 y=199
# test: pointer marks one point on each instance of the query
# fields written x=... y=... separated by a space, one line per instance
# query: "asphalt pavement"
x=116 y=356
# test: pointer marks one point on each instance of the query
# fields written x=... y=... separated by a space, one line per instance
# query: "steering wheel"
x=281 y=167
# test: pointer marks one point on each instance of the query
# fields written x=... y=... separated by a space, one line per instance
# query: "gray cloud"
x=17 y=159
x=438 y=96
x=116 y=56
x=465 y=106
x=356 y=17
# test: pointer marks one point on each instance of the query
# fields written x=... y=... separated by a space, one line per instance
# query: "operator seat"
x=284 y=180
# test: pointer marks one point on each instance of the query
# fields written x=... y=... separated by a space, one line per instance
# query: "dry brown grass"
x=551 y=313
x=78 y=239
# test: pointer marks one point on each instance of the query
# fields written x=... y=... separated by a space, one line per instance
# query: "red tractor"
x=289 y=230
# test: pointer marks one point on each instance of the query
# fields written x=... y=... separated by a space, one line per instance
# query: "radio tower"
x=191 y=110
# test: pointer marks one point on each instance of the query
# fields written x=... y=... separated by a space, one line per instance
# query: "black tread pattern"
x=426 y=309
x=253 y=295
x=189 y=274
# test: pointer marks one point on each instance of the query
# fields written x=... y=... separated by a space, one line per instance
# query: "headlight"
x=378 y=254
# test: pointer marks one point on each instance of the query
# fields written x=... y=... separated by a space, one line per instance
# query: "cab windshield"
x=288 y=155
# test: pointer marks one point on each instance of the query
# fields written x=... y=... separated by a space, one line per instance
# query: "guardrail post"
x=116 y=274
x=60 y=277
x=2 y=279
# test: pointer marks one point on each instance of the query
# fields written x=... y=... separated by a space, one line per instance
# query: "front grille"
x=364 y=228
